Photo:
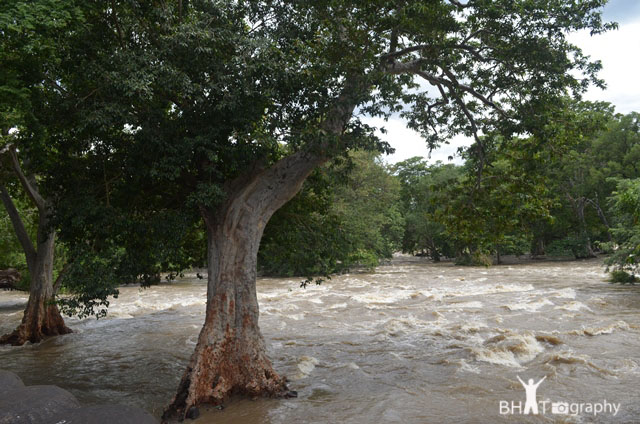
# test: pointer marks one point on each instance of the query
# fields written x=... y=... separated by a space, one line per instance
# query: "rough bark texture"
x=230 y=356
x=41 y=317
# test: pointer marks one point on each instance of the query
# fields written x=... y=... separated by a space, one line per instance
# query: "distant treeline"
x=575 y=195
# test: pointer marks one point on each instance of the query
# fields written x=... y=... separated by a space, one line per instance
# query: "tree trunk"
x=41 y=317
x=230 y=357
x=603 y=218
x=589 y=253
x=578 y=205
x=538 y=248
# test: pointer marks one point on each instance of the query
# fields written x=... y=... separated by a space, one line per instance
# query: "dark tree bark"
x=537 y=247
x=596 y=204
x=579 y=205
x=9 y=278
x=41 y=317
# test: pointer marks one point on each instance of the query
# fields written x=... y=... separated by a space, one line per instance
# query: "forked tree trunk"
x=41 y=317
x=230 y=357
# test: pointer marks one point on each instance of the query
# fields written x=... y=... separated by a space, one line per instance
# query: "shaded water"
x=413 y=342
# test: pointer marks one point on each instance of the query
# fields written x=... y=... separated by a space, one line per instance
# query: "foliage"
x=346 y=215
x=151 y=112
x=421 y=183
x=475 y=258
x=11 y=254
x=623 y=277
x=625 y=202
x=571 y=245
x=600 y=147
x=491 y=212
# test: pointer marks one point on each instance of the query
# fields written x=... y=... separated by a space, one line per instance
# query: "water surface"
x=413 y=342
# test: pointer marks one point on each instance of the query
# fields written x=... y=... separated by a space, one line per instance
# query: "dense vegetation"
x=146 y=137
x=577 y=199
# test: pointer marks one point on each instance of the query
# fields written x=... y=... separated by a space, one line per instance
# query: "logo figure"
x=531 y=404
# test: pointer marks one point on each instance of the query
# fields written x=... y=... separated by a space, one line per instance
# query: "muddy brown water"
x=413 y=342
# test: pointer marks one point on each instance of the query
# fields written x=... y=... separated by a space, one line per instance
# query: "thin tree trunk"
x=537 y=248
x=578 y=205
x=583 y=230
x=603 y=218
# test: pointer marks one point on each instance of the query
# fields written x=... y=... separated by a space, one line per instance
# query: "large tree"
x=225 y=108
x=32 y=36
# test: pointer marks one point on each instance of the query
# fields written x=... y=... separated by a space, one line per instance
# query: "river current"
x=413 y=342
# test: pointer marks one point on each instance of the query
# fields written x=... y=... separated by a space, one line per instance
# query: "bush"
x=474 y=259
x=623 y=277
x=573 y=245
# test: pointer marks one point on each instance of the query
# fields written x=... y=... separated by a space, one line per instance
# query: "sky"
x=619 y=51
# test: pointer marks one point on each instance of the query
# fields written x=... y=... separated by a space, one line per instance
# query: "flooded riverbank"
x=413 y=342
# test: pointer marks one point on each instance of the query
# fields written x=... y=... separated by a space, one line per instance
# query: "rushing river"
x=413 y=342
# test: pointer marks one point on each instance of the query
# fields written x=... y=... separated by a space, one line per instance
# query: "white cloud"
x=619 y=52
x=408 y=143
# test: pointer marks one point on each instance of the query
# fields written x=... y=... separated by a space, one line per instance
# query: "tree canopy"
x=165 y=118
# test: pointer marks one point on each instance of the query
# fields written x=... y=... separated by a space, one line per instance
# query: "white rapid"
x=413 y=342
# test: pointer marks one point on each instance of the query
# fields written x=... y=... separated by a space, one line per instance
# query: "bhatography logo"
x=533 y=406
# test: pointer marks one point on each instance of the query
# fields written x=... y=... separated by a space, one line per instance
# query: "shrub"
x=623 y=277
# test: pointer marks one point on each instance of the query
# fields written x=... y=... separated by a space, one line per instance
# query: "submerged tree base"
x=38 y=323
x=228 y=368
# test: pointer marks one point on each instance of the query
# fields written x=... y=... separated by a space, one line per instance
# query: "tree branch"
x=459 y=5
x=471 y=91
x=393 y=46
x=413 y=67
x=397 y=53
x=26 y=184
x=18 y=226
x=58 y=282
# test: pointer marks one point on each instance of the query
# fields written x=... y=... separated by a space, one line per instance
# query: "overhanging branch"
x=459 y=4
x=19 y=228
x=28 y=185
